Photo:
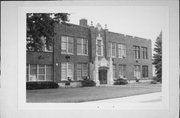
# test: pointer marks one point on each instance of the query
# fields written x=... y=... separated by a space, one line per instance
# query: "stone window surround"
x=99 y=38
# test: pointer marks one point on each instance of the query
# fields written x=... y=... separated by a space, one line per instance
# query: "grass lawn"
x=83 y=94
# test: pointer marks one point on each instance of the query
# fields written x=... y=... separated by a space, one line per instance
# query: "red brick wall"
x=130 y=61
x=39 y=58
x=74 y=31
x=91 y=33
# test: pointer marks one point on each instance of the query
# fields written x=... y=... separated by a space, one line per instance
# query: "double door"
x=103 y=76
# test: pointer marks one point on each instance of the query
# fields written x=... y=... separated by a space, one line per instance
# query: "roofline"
x=123 y=35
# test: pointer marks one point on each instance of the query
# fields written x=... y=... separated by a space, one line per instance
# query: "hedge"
x=88 y=82
x=120 y=82
x=41 y=85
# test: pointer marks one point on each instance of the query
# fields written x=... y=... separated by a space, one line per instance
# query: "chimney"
x=83 y=22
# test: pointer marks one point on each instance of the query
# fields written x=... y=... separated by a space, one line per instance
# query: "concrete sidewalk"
x=145 y=98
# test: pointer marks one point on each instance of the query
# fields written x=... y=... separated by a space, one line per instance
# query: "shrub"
x=41 y=85
x=137 y=80
x=120 y=82
x=153 y=82
x=88 y=82
x=157 y=79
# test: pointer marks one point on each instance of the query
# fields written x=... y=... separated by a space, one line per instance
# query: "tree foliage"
x=41 y=26
x=157 y=57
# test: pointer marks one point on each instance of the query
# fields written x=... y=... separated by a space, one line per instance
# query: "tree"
x=157 y=57
x=40 y=29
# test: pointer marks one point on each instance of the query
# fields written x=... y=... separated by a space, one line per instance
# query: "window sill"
x=121 y=58
x=67 y=53
x=100 y=55
x=64 y=81
x=41 y=51
x=82 y=55
x=40 y=81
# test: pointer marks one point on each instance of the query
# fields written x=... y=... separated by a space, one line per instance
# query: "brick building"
x=82 y=51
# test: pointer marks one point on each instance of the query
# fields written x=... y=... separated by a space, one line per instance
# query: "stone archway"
x=103 y=72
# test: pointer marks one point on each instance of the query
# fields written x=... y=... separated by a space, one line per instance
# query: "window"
x=63 y=71
x=27 y=72
x=109 y=49
x=41 y=72
x=45 y=47
x=121 y=51
x=145 y=71
x=137 y=71
x=99 y=48
x=33 y=72
x=122 y=70
x=99 y=45
x=137 y=52
x=46 y=44
x=79 y=71
x=114 y=71
x=113 y=50
x=82 y=71
x=85 y=46
x=67 y=45
x=82 y=46
x=67 y=71
x=48 y=72
x=38 y=72
x=144 y=52
x=63 y=44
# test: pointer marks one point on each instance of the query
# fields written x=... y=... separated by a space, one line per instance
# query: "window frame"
x=136 y=52
x=82 y=46
x=101 y=47
x=139 y=70
x=114 y=56
x=51 y=68
x=67 y=45
x=37 y=72
x=33 y=74
x=109 y=49
x=81 y=71
x=145 y=71
x=121 y=50
x=123 y=69
x=99 y=38
x=67 y=71
x=114 y=71
x=144 y=52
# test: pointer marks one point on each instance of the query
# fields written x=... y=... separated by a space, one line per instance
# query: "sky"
x=141 y=21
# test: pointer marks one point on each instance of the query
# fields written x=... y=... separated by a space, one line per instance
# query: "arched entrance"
x=103 y=75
